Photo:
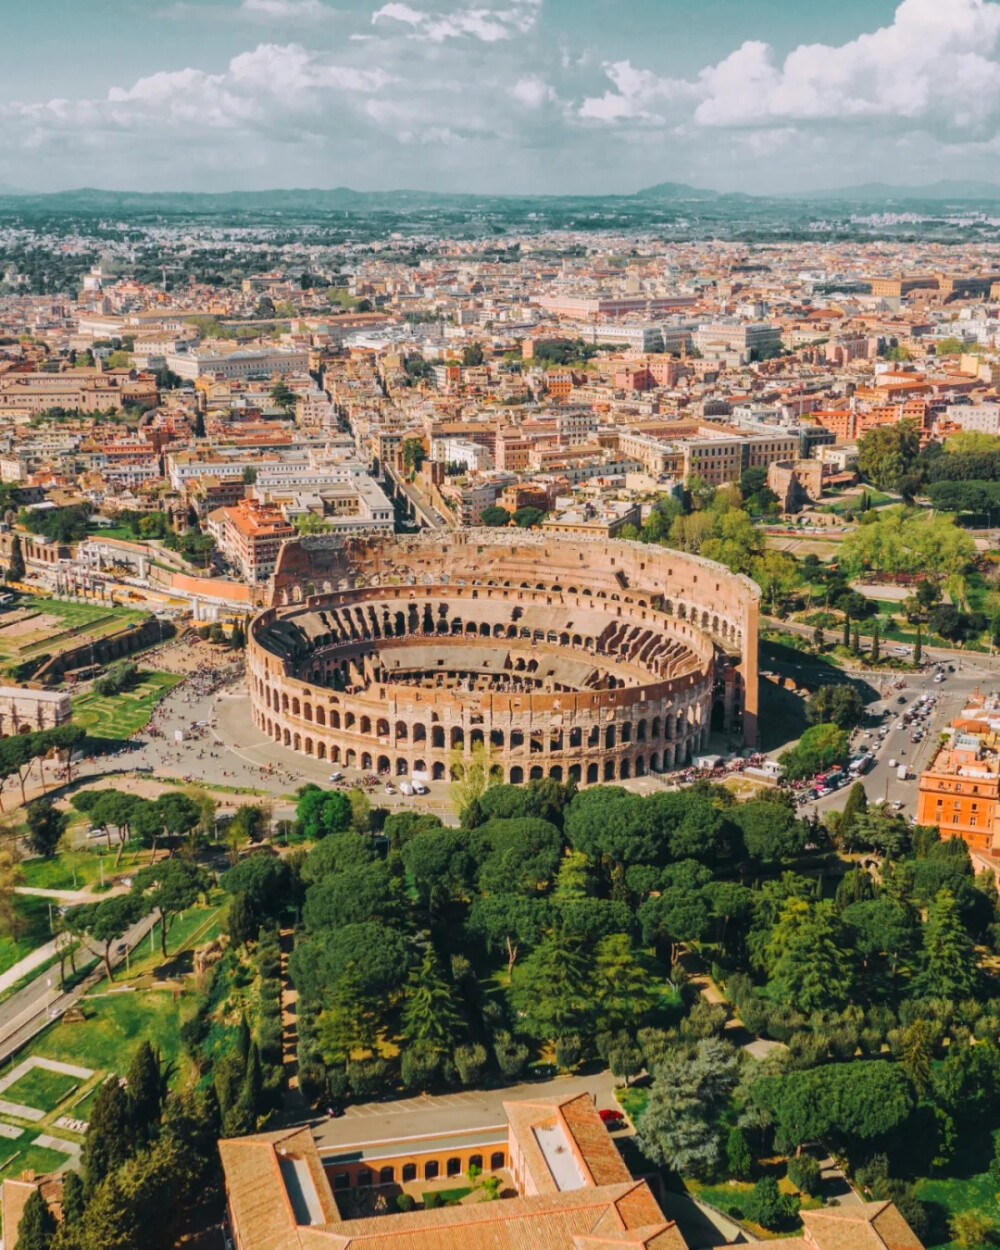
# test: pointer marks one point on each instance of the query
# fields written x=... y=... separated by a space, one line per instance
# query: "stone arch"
x=516 y=775
x=366 y=760
x=437 y=771
x=591 y=774
x=382 y=764
x=402 y=767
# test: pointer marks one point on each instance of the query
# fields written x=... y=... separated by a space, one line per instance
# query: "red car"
x=611 y=1118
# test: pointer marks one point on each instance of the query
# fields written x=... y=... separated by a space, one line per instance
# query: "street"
x=971 y=673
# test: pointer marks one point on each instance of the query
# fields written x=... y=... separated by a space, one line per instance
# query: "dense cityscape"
x=499 y=695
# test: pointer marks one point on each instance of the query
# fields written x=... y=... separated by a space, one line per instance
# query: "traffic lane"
x=881 y=782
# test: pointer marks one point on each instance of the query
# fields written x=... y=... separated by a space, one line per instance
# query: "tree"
x=146 y=1088
x=739 y=1160
x=771 y=831
x=16 y=569
x=527 y=517
x=283 y=396
x=856 y=805
x=473 y=354
x=322 y=812
x=855 y=1101
x=109 y=1141
x=950 y=969
x=918 y=651
x=838 y=704
x=876 y=650
x=172 y=886
x=768 y=1206
x=73 y=1199
x=430 y=1017
x=888 y=453
x=46 y=826
x=494 y=516
x=414 y=454
x=37 y=1226
x=551 y=987
x=106 y=922
x=808 y=965
x=621 y=983
x=777 y=574
x=680 y=1125
x=505 y=923
x=818 y=748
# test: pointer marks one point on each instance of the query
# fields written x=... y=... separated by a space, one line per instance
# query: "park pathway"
x=294 y=1102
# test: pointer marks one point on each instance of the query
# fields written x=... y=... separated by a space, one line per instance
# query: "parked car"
x=610 y=1117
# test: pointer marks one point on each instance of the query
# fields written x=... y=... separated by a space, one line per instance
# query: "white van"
x=336 y=775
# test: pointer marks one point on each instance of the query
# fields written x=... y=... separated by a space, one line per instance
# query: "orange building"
x=571 y=1191
x=960 y=793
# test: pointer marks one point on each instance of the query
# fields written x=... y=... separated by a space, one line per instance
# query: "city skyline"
x=519 y=96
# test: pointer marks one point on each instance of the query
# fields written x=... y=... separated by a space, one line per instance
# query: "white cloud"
x=933 y=65
x=487 y=25
x=287 y=10
x=532 y=91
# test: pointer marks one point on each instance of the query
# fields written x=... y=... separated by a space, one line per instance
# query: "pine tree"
x=16 y=570
x=430 y=1016
x=807 y=961
x=949 y=957
x=918 y=1051
x=738 y=1157
x=847 y=629
x=37 y=1226
x=875 y=646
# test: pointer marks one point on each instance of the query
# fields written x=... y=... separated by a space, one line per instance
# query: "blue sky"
x=582 y=96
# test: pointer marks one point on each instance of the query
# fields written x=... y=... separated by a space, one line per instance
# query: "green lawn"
x=71 y=870
x=633 y=1101
x=42 y=1089
x=198 y=926
x=33 y=931
x=115 y=1027
x=121 y=715
x=37 y=1159
x=951 y=1196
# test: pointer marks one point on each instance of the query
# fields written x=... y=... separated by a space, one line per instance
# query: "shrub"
x=738 y=1156
x=804 y=1173
x=432 y=1201
x=405 y=1202
x=512 y=1056
x=419 y=1069
x=569 y=1050
x=470 y=1062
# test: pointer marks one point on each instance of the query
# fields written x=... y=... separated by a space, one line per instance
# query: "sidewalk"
x=28 y=964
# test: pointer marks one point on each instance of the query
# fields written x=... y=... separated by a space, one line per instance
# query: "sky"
x=493 y=96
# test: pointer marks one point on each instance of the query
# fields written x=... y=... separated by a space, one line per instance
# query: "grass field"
x=120 y=715
x=34 y=931
x=115 y=1027
x=42 y=1089
x=948 y=1197
x=23 y=635
x=70 y=870
x=37 y=1159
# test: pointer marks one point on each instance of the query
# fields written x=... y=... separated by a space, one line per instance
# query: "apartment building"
x=242 y=362
x=249 y=535
x=984 y=418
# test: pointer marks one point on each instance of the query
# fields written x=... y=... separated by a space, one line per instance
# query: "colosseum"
x=566 y=658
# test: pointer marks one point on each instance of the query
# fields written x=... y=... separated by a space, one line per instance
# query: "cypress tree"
x=15 y=570
x=146 y=1090
x=109 y=1141
x=847 y=629
x=73 y=1201
x=37 y=1226
x=855 y=641
x=875 y=647
x=917 y=650
x=243 y=1039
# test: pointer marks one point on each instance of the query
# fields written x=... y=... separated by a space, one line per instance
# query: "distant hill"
x=874 y=192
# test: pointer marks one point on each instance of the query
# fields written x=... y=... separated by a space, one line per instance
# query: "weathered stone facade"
x=566 y=657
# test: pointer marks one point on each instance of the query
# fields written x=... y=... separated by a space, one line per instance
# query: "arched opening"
x=401 y=768
x=419 y=733
x=556 y=772
x=386 y=1175
x=457 y=736
x=366 y=760
x=409 y=1172
x=437 y=772
x=609 y=770
x=383 y=763
x=537 y=773
x=437 y=736
x=497 y=1160
x=516 y=775
x=624 y=771
x=431 y=1169
x=366 y=725
x=453 y=1167
x=591 y=774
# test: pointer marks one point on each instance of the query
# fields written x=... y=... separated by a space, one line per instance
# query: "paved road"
x=881 y=782
x=29 y=1010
